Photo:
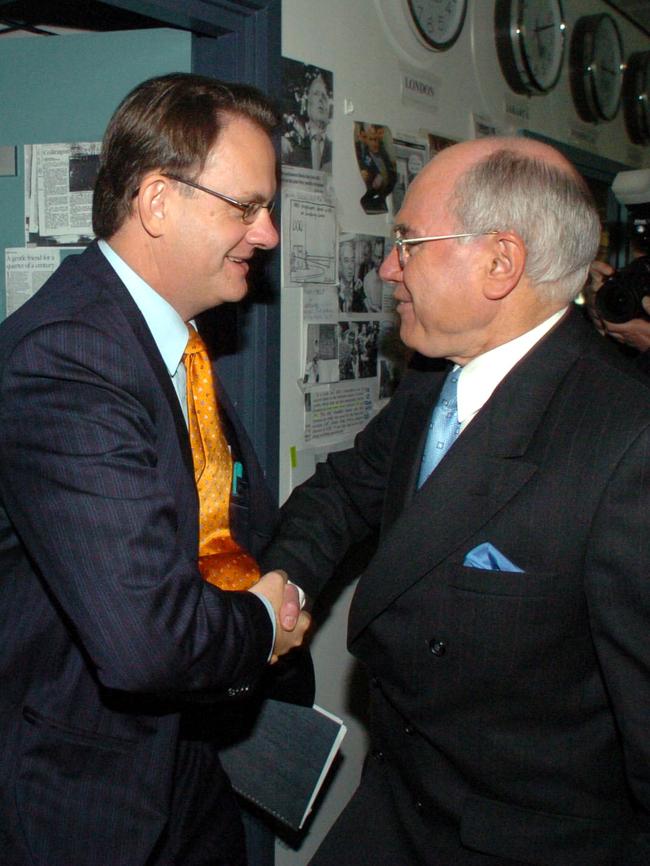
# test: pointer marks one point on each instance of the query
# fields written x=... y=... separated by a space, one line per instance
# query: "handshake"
x=291 y=622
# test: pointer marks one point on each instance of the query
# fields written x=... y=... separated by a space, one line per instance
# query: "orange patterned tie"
x=221 y=560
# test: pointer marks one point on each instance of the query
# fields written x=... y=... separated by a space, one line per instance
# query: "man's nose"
x=263 y=232
x=390 y=270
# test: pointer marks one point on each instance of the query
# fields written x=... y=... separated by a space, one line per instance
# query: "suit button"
x=419 y=806
x=409 y=729
x=437 y=647
x=234 y=691
x=378 y=755
x=374 y=682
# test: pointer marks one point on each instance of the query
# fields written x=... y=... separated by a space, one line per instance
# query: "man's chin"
x=232 y=294
x=430 y=348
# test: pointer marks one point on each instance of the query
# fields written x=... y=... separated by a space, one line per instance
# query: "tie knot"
x=195 y=342
x=449 y=393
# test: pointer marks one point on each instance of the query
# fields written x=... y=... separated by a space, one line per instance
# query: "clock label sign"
x=518 y=108
x=416 y=88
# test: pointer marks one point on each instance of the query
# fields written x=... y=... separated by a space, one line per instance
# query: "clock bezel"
x=427 y=40
x=511 y=47
x=584 y=86
x=636 y=97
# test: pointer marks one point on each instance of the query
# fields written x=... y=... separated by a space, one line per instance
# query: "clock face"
x=607 y=67
x=636 y=97
x=438 y=22
x=596 y=67
x=530 y=43
x=542 y=28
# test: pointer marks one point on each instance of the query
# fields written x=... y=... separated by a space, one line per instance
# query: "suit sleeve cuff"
x=271 y=613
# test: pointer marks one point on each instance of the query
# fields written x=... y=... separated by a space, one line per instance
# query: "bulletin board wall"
x=64 y=89
x=382 y=73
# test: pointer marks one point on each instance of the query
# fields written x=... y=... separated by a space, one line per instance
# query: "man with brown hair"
x=116 y=652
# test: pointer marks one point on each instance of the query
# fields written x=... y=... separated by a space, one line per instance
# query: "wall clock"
x=530 y=43
x=438 y=22
x=636 y=97
x=596 y=67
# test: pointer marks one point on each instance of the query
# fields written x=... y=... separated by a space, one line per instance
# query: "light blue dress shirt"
x=170 y=335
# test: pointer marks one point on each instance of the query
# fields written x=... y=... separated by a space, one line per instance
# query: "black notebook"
x=282 y=764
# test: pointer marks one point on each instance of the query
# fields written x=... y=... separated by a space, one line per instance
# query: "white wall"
x=366 y=43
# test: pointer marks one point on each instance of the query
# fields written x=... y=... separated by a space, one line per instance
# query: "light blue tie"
x=444 y=427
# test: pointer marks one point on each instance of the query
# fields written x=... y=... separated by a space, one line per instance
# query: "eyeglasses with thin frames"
x=249 y=209
x=402 y=244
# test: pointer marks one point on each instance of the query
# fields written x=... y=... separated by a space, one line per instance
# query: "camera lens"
x=620 y=298
x=615 y=302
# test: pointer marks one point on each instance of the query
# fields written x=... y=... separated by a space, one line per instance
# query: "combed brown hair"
x=169 y=123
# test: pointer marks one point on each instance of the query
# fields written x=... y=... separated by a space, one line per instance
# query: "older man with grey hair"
x=504 y=617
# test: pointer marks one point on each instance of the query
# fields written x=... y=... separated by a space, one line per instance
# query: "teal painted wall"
x=65 y=88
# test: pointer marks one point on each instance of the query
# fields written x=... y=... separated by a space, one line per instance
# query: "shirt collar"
x=480 y=377
x=167 y=327
x=315 y=130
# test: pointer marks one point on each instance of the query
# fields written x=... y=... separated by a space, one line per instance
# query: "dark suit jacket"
x=509 y=710
x=108 y=635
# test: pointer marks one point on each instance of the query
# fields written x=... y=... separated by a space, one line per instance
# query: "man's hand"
x=291 y=622
x=598 y=273
x=635 y=332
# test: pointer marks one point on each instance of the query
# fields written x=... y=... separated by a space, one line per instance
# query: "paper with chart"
x=311 y=229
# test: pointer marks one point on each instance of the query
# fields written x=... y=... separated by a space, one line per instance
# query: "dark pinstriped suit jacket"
x=510 y=711
x=106 y=629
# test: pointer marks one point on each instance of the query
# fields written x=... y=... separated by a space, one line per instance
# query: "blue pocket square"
x=486 y=556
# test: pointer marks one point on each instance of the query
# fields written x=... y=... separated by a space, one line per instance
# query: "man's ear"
x=152 y=203
x=506 y=264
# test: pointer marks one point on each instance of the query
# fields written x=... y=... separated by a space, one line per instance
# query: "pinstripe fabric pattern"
x=112 y=646
x=509 y=710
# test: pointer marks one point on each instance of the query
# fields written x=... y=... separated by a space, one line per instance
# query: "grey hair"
x=551 y=209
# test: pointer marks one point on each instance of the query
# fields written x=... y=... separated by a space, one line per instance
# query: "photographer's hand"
x=635 y=333
x=598 y=273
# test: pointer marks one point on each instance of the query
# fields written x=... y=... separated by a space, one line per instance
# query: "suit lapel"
x=142 y=334
x=485 y=468
x=412 y=436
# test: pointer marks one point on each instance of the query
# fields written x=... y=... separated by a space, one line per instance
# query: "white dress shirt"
x=480 y=377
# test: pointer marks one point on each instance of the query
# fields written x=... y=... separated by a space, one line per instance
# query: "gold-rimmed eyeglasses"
x=249 y=209
x=402 y=244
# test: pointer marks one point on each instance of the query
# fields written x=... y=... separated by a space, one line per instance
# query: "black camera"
x=619 y=298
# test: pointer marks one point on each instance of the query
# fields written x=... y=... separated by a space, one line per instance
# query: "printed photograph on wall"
x=411 y=156
x=358 y=345
x=393 y=359
x=373 y=144
x=307 y=112
x=321 y=357
x=439 y=142
x=361 y=289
